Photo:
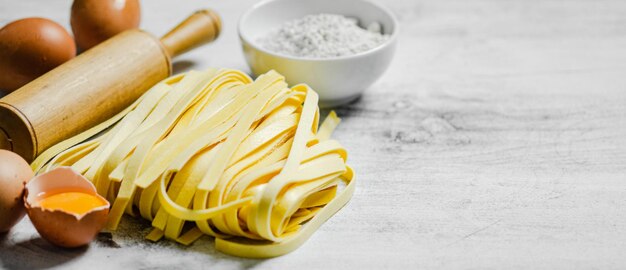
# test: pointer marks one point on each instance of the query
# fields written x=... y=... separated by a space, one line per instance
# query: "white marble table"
x=497 y=140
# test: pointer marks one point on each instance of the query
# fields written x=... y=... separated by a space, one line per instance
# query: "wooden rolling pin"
x=96 y=85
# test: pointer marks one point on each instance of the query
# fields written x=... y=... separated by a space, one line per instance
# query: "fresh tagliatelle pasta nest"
x=213 y=152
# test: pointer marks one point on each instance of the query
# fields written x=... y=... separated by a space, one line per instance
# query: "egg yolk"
x=72 y=202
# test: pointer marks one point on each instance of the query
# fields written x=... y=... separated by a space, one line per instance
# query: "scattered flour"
x=323 y=36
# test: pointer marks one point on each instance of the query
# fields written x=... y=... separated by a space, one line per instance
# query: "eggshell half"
x=58 y=227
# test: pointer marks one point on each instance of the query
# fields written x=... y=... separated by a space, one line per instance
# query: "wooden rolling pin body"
x=95 y=85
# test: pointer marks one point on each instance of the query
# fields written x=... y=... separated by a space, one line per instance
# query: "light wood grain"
x=96 y=85
x=497 y=140
x=82 y=92
x=198 y=29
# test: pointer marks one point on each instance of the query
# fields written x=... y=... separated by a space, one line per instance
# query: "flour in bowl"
x=323 y=36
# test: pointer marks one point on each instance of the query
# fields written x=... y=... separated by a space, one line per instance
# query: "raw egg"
x=94 y=21
x=31 y=47
x=65 y=208
x=14 y=174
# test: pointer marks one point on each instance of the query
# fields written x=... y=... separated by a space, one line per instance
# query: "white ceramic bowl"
x=337 y=80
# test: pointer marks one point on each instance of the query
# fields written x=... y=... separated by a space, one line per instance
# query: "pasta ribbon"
x=216 y=153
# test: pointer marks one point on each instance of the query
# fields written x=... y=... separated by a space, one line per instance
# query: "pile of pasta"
x=214 y=152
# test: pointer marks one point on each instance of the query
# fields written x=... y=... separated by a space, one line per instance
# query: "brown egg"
x=14 y=174
x=94 y=21
x=67 y=221
x=31 y=47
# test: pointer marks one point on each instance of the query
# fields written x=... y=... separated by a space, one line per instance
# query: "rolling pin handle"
x=201 y=27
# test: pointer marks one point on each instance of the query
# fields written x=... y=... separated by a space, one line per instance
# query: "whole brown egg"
x=94 y=21
x=14 y=174
x=31 y=47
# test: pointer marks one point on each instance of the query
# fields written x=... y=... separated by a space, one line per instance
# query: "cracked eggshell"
x=57 y=226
